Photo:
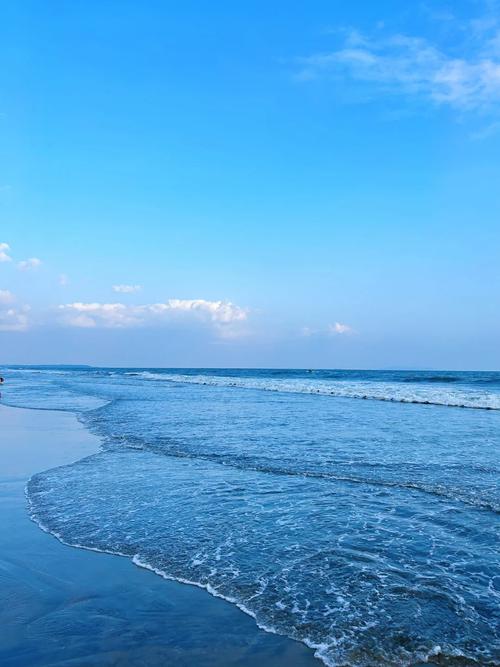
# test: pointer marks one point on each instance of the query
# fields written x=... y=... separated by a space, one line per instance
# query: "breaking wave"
x=377 y=391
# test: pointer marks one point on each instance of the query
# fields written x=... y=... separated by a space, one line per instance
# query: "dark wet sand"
x=61 y=606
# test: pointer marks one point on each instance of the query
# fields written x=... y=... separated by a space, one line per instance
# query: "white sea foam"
x=320 y=649
x=399 y=392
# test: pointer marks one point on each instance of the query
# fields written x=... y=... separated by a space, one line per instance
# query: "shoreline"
x=73 y=605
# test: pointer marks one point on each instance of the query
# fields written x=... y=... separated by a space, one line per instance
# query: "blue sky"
x=250 y=184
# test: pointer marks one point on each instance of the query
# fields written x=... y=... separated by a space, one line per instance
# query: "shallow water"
x=367 y=529
x=61 y=606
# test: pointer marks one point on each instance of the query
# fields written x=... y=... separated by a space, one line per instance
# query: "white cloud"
x=222 y=312
x=12 y=319
x=222 y=315
x=63 y=280
x=111 y=315
x=415 y=67
x=4 y=252
x=339 y=328
x=331 y=330
x=308 y=331
x=28 y=264
x=127 y=289
x=6 y=297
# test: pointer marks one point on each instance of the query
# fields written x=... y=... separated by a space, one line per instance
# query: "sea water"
x=355 y=511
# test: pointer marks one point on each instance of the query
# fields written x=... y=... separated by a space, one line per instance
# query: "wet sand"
x=61 y=606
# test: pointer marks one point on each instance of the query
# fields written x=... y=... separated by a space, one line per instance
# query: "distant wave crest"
x=377 y=391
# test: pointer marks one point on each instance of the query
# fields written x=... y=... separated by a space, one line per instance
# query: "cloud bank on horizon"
x=223 y=317
x=222 y=314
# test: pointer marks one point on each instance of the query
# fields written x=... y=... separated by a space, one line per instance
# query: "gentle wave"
x=454 y=494
x=40 y=489
x=378 y=391
x=320 y=649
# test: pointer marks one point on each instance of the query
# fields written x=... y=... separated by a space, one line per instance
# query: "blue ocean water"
x=355 y=511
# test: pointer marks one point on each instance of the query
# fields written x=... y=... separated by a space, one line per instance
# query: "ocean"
x=354 y=511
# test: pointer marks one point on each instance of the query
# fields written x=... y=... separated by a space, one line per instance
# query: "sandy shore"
x=61 y=606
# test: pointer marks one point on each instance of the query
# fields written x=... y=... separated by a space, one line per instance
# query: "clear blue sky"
x=250 y=184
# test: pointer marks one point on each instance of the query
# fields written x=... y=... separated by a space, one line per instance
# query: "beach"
x=67 y=606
